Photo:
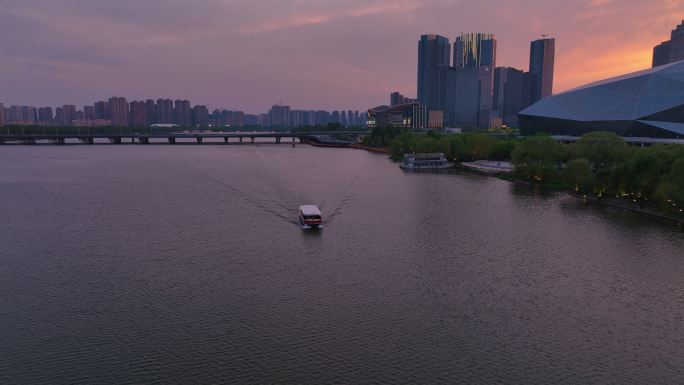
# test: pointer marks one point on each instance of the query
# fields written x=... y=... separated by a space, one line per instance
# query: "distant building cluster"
x=116 y=111
x=471 y=91
x=672 y=50
x=282 y=116
x=464 y=88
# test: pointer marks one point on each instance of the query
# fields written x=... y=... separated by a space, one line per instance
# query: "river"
x=184 y=264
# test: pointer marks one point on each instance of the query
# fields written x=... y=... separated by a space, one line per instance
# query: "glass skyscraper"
x=433 y=54
x=542 y=56
x=672 y=50
x=475 y=50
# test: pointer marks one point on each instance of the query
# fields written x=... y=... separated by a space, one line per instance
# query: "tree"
x=457 y=147
x=670 y=191
x=478 y=146
x=537 y=158
x=602 y=149
x=578 y=172
x=501 y=149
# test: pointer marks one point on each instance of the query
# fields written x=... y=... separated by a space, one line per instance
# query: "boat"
x=310 y=217
x=425 y=162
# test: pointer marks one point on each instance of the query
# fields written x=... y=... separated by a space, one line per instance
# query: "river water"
x=184 y=264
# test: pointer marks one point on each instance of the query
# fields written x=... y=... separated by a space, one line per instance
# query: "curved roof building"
x=648 y=103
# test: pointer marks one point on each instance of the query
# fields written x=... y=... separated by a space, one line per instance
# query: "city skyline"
x=74 y=52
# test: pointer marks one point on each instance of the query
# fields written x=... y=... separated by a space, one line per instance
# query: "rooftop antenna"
x=544 y=36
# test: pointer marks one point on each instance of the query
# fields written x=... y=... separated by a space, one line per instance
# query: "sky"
x=309 y=54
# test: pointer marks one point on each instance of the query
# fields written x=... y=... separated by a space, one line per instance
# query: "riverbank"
x=377 y=150
x=606 y=201
x=489 y=167
x=626 y=205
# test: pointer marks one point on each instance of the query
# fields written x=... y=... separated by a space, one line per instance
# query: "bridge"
x=323 y=137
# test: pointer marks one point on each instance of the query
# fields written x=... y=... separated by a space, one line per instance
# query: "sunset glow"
x=312 y=54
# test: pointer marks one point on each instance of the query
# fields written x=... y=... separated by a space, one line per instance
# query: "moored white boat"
x=425 y=162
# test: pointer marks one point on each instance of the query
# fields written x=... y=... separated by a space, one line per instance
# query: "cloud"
x=329 y=54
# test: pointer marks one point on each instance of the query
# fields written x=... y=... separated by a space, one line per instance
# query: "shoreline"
x=376 y=150
x=509 y=176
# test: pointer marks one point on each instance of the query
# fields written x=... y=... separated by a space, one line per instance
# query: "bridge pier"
x=144 y=140
x=252 y=138
x=277 y=140
x=172 y=140
x=115 y=140
x=225 y=139
x=199 y=140
x=240 y=140
x=293 y=141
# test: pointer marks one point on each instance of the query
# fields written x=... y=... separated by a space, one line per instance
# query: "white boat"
x=425 y=162
x=310 y=217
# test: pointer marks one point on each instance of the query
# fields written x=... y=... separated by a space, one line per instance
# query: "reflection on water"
x=185 y=264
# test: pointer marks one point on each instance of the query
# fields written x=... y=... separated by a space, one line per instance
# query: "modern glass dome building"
x=648 y=103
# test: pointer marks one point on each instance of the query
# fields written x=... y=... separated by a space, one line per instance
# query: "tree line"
x=600 y=163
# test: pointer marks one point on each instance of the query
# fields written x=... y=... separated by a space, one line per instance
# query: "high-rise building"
x=396 y=99
x=45 y=115
x=298 y=118
x=671 y=50
x=2 y=115
x=30 y=114
x=68 y=114
x=251 y=120
x=89 y=112
x=150 y=111
x=200 y=116
x=512 y=89
x=15 y=114
x=182 y=112
x=343 y=118
x=335 y=117
x=59 y=115
x=118 y=111
x=323 y=118
x=138 y=112
x=237 y=119
x=475 y=50
x=101 y=110
x=433 y=55
x=310 y=118
x=164 y=111
x=467 y=93
x=279 y=116
x=542 y=56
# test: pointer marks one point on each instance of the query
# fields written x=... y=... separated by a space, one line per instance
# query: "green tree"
x=670 y=191
x=578 y=173
x=502 y=149
x=538 y=158
x=478 y=146
x=601 y=149
x=457 y=146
